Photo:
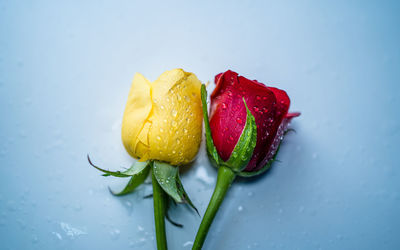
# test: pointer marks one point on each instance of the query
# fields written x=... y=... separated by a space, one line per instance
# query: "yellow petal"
x=176 y=117
x=165 y=82
x=137 y=110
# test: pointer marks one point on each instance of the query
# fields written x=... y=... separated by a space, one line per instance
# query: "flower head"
x=268 y=105
x=163 y=119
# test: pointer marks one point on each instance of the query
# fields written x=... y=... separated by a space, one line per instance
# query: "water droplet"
x=71 y=231
x=256 y=109
x=185 y=131
x=178 y=141
x=265 y=98
x=162 y=107
x=238 y=120
x=34 y=239
x=174 y=112
x=230 y=138
x=250 y=193
x=57 y=235
x=174 y=123
x=188 y=243
x=158 y=138
x=258 y=98
x=187 y=98
x=240 y=208
x=179 y=98
x=173 y=151
x=115 y=234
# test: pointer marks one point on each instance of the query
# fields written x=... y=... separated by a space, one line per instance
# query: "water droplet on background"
x=115 y=234
x=187 y=244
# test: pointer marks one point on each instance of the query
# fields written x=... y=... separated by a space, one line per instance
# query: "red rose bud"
x=268 y=105
x=248 y=121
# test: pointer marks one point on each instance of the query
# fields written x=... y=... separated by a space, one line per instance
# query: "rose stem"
x=224 y=180
x=160 y=206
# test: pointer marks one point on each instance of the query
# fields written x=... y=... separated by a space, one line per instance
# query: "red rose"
x=268 y=105
x=246 y=125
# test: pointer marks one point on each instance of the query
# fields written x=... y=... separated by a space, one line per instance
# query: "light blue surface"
x=65 y=72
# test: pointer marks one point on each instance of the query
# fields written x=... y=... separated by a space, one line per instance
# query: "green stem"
x=160 y=208
x=225 y=178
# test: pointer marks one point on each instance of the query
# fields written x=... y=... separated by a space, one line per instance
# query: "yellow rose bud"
x=163 y=119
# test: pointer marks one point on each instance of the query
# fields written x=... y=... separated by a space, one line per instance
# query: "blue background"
x=65 y=72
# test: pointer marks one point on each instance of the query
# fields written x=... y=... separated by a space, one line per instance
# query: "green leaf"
x=244 y=148
x=133 y=170
x=262 y=170
x=168 y=178
x=139 y=175
x=211 y=149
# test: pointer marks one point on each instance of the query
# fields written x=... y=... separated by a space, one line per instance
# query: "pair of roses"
x=162 y=127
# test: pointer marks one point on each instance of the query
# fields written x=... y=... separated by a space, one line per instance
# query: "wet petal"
x=175 y=134
x=137 y=110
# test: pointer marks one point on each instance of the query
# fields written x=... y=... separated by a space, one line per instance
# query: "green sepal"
x=244 y=148
x=211 y=149
x=138 y=177
x=262 y=170
x=133 y=170
x=167 y=177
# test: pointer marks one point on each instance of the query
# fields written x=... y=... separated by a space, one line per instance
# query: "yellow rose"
x=163 y=119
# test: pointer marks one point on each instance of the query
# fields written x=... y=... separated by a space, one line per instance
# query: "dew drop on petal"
x=174 y=112
x=223 y=105
x=158 y=138
x=258 y=98
x=238 y=120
